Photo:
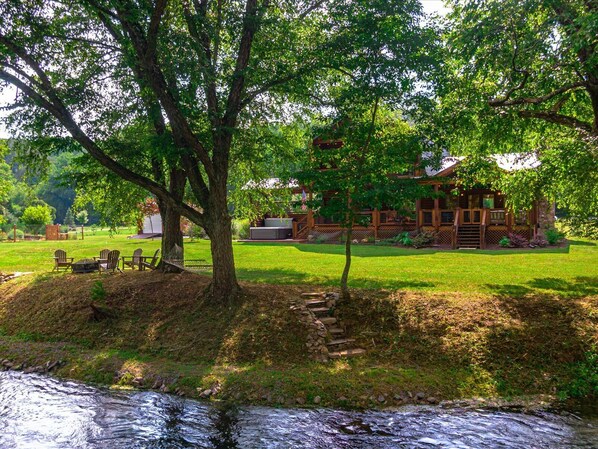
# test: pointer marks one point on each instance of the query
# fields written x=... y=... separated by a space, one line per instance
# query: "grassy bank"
x=513 y=340
x=570 y=270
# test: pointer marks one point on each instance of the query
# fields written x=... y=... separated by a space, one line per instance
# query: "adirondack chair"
x=61 y=261
x=111 y=263
x=135 y=261
x=103 y=255
x=150 y=262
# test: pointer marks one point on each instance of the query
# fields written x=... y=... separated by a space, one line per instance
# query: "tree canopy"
x=522 y=76
x=197 y=72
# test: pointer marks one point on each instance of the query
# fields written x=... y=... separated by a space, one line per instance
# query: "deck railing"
x=498 y=217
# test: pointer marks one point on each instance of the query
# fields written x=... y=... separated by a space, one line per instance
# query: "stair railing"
x=300 y=228
x=456 y=228
x=484 y=224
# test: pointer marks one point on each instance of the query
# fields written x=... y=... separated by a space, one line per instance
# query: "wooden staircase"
x=339 y=345
x=468 y=236
x=300 y=229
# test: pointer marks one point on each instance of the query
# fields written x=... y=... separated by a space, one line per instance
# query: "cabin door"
x=473 y=214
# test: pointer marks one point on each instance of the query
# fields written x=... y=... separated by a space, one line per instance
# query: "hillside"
x=164 y=334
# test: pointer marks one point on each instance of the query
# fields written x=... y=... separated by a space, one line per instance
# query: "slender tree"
x=365 y=172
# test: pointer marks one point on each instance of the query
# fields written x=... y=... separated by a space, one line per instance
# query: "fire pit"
x=86 y=266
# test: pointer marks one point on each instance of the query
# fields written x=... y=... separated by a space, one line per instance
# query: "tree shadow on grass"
x=546 y=332
x=581 y=243
x=289 y=277
x=365 y=250
x=581 y=286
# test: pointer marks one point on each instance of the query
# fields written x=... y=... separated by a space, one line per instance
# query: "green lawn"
x=571 y=271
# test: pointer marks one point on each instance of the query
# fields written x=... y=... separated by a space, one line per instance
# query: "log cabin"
x=459 y=218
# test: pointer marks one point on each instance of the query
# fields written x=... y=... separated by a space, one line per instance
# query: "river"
x=40 y=412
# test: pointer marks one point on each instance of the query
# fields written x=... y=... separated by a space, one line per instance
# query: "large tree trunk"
x=345 y=295
x=171 y=230
x=172 y=237
x=224 y=286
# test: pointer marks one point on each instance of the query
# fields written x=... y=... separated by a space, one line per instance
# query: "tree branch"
x=59 y=111
x=506 y=101
x=196 y=181
x=250 y=28
x=203 y=51
x=157 y=81
x=553 y=117
x=154 y=27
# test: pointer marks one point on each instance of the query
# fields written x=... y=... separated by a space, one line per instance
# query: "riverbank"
x=421 y=347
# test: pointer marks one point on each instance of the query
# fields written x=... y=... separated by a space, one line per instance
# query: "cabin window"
x=488 y=201
x=447 y=216
x=474 y=201
x=427 y=216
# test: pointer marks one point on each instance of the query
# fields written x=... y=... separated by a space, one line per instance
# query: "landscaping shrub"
x=402 y=239
x=240 y=229
x=516 y=241
x=424 y=239
x=538 y=241
x=3 y=236
x=554 y=236
x=407 y=241
x=504 y=242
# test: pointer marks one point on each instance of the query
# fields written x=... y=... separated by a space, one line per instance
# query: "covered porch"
x=473 y=218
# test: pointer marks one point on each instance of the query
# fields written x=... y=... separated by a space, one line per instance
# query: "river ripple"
x=40 y=412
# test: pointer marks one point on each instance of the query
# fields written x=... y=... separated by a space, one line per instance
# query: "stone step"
x=341 y=341
x=336 y=331
x=313 y=295
x=320 y=310
x=315 y=303
x=328 y=320
x=347 y=353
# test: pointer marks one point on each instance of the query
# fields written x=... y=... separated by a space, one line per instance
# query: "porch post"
x=436 y=216
x=310 y=213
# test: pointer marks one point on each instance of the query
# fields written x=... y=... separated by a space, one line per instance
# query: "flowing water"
x=41 y=412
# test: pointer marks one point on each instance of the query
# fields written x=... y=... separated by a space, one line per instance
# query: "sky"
x=430 y=6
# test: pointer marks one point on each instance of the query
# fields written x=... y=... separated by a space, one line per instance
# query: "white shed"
x=152 y=224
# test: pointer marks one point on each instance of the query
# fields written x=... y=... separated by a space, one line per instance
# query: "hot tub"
x=273 y=229
x=270 y=233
